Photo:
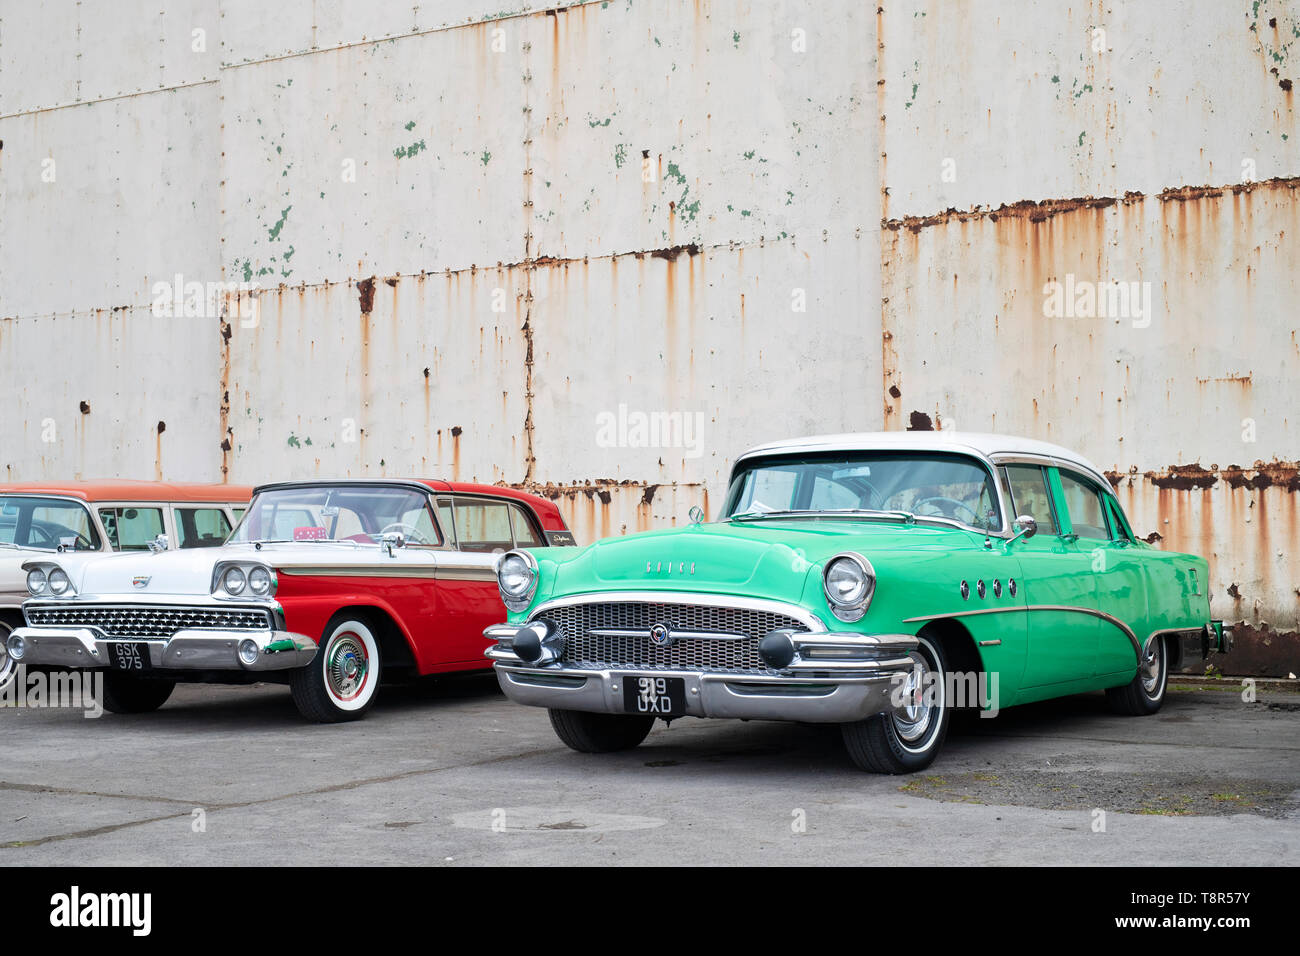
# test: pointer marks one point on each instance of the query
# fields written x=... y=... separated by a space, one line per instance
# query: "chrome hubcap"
x=1151 y=668
x=346 y=666
x=7 y=666
x=914 y=720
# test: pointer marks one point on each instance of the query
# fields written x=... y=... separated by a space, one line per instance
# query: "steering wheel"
x=409 y=531
x=949 y=512
x=77 y=542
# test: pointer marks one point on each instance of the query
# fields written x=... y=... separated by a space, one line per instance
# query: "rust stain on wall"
x=366 y=295
x=1042 y=210
x=1280 y=474
x=1257 y=651
x=1183 y=477
x=672 y=252
x=227 y=433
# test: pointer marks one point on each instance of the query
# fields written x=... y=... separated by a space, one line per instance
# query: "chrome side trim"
x=360 y=571
x=806 y=617
x=1128 y=631
x=465 y=574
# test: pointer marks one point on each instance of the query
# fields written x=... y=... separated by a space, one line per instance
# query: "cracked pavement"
x=450 y=773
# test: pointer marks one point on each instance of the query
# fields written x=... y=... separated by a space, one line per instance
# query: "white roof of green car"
x=981 y=444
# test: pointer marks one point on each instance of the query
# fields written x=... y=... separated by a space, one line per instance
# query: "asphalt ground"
x=450 y=773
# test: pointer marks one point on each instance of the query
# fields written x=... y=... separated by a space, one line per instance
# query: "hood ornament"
x=696 y=514
x=141 y=580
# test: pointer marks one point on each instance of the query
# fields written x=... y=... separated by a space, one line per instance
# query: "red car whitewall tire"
x=343 y=680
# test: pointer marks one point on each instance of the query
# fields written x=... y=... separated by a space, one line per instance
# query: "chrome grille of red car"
x=584 y=649
x=147 y=620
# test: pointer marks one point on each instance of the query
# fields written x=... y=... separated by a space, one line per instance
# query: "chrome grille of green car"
x=585 y=649
x=146 y=620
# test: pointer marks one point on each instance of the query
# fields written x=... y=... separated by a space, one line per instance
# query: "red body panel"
x=442 y=621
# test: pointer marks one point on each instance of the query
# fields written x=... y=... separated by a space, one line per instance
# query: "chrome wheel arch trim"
x=709 y=599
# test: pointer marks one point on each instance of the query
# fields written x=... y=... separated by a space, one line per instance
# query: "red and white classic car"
x=324 y=585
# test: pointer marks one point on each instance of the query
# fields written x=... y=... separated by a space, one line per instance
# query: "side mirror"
x=157 y=544
x=392 y=539
x=1024 y=527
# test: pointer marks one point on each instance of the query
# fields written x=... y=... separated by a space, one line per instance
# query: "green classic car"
x=876 y=581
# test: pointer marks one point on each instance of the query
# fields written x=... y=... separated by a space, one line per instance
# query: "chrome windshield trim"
x=985 y=461
x=903 y=517
x=806 y=617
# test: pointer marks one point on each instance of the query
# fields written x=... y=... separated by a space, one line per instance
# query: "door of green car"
x=1123 y=592
x=1060 y=588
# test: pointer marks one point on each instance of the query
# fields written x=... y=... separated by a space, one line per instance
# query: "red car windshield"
x=359 y=513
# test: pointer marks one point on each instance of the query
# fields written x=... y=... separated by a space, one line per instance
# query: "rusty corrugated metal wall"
x=487 y=241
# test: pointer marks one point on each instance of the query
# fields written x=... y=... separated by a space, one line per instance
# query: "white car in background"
x=41 y=518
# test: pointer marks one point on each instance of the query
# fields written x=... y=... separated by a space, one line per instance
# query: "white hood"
x=13 y=579
x=189 y=571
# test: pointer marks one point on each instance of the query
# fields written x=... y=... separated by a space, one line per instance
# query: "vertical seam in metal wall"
x=529 y=263
x=223 y=314
x=886 y=348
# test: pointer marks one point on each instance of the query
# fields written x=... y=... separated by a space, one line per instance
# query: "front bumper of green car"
x=812 y=676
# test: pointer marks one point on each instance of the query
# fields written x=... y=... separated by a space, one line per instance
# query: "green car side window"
x=1029 y=495
x=1084 y=503
x=1118 y=522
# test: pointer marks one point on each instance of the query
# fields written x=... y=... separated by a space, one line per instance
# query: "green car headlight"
x=517 y=579
x=850 y=583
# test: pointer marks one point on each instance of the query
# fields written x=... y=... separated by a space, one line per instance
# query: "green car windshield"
x=909 y=486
